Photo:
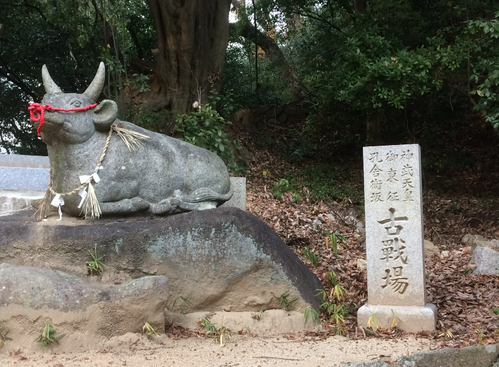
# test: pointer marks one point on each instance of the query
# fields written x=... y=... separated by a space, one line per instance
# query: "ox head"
x=78 y=126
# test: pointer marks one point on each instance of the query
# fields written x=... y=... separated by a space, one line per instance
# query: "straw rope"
x=91 y=208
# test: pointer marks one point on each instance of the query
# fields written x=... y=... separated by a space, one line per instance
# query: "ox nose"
x=54 y=118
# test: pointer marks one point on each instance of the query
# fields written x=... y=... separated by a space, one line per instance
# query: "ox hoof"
x=162 y=207
x=139 y=204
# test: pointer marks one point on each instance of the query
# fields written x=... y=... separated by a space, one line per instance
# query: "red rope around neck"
x=37 y=112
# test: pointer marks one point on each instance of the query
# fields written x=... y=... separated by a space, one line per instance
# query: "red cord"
x=37 y=112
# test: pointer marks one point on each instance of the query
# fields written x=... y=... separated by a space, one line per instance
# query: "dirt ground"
x=240 y=350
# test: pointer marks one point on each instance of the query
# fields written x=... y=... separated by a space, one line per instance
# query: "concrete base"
x=12 y=201
x=270 y=322
x=408 y=318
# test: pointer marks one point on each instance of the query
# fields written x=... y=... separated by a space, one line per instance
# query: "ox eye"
x=76 y=103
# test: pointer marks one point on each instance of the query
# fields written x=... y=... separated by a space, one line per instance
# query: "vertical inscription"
x=394 y=232
x=393 y=253
x=394 y=170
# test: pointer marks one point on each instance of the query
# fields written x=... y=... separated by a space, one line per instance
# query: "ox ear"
x=105 y=114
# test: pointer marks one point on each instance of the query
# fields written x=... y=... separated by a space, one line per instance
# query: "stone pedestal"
x=412 y=319
x=394 y=240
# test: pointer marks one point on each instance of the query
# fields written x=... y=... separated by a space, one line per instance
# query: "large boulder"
x=484 y=260
x=108 y=311
x=220 y=259
x=476 y=356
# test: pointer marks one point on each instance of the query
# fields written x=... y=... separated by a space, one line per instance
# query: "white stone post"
x=394 y=241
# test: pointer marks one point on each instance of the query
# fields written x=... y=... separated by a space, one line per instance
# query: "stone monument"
x=173 y=268
x=394 y=240
x=101 y=165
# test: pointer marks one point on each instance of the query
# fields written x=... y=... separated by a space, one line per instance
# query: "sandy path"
x=241 y=351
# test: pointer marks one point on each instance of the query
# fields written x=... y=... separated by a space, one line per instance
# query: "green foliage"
x=484 y=44
x=337 y=291
x=4 y=331
x=495 y=310
x=205 y=128
x=310 y=256
x=235 y=169
x=333 y=239
x=47 y=336
x=161 y=121
x=312 y=314
x=210 y=327
x=181 y=304
x=141 y=82
x=335 y=311
x=95 y=266
x=324 y=182
x=331 y=279
x=280 y=188
x=149 y=330
x=221 y=333
x=78 y=35
x=286 y=303
x=373 y=322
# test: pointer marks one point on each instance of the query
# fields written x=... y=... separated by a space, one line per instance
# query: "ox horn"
x=94 y=89
x=48 y=83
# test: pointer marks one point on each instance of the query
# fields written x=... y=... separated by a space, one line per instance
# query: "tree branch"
x=271 y=49
x=7 y=73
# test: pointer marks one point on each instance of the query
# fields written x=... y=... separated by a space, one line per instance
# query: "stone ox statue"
x=162 y=175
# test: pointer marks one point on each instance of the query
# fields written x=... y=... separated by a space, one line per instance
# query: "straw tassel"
x=132 y=139
x=44 y=207
x=91 y=207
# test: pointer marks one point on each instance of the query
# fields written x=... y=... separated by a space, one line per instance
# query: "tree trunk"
x=192 y=39
x=272 y=51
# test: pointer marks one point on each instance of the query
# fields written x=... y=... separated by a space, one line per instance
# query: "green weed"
x=334 y=242
x=149 y=330
x=96 y=265
x=495 y=310
x=395 y=320
x=331 y=279
x=3 y=333
x=337 y=291
x=181 y=304
x=47 y=336
x=336 y=312
x=337 y=330
x=481 y=335
x=222 y=334
x=287 y=303
x=373 y=322
x=281 y=187
x=325 y=183
x=310 y=256
x=258 y=315
x=205 y=128
x=312 y=314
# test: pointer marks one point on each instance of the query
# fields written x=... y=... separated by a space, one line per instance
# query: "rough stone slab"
x=475 y=356
x=475 y=241
x=20 y=178
x=484 y=261
x=26 y=161
x=238 y=199
x=12 y=200
x=24 y=172
x=219 y=259
x=394 y=225
x=411 y=319
x=108 y=310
